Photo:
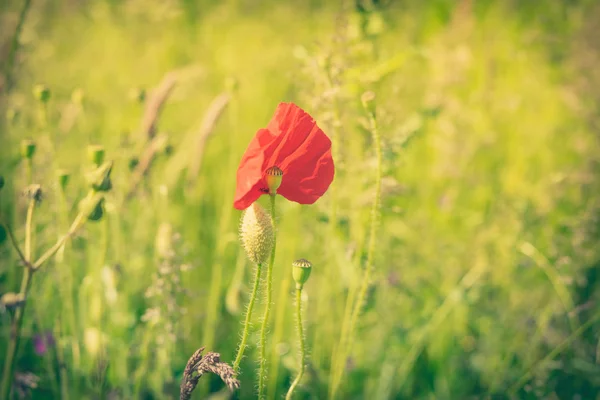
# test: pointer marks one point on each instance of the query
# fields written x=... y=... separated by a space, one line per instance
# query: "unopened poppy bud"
x=34 y=192
x=63 y=178
x=301 y=272
x=98 y=212
x=42 y=93
x=99 y=179
x=27 y=148
x=368 y=101
x=92 y=206
x=274 y=177
x=96 y=154
x=256 y=233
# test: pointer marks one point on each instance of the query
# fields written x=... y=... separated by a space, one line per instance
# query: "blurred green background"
x=486 y=270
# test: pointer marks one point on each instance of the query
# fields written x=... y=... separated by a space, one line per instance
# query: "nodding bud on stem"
x=63 y=178
x=274 y=176
x=41 y=93
x=96 y=154
x=34 y=192
x=301 y=272
x=99 y=179
x=92 y=206
x=27 y=149
x=368 y=101
x=257 y=234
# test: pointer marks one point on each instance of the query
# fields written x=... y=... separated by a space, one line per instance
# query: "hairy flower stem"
x=346 y=342
x=262 y=374
x=301 y=343
x=242 y=346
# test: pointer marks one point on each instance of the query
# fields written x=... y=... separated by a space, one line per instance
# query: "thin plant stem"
x=262 y=374
x=51 y=251
x=300 y=342
x=242 y=346
x=13 y=240
x=15 y=336
x=346 y=344
x=28 y=224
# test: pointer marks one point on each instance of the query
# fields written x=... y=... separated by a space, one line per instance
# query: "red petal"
x=250 y=171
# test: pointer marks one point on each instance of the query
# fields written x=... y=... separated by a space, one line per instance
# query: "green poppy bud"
x=368 y=101
x=63 y=178
x=96 y=154
x=92 y=206
x=257 y=234
x=41 y=93
x=301 y=272
x=99 y=179
x=274 y=177
x=27 y=148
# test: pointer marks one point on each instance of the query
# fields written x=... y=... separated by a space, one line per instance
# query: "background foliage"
x=486 y=268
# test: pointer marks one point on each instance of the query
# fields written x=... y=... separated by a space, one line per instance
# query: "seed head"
x=301 y=272
x=274 y=177
x=256 y=233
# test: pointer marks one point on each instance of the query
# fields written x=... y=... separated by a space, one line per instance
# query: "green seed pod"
x=257 y=234
x=96 y=154
x=98 y=212
x=301 y=272
x=41 y=93
x=274 y=177
x=27 y=148
x=368 y=101
x=63 y=178
x=99 y=179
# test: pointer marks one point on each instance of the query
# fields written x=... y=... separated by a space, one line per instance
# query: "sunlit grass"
x=480 y=254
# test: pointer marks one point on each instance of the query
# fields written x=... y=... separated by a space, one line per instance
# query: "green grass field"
x=485 y=260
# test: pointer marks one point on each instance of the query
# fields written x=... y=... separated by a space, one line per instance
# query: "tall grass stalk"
x=347 y=337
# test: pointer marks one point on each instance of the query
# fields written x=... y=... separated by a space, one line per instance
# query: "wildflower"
x=294 y=144
x=41 y=342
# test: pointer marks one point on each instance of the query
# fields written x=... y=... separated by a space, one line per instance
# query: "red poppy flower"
x=295 y=144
